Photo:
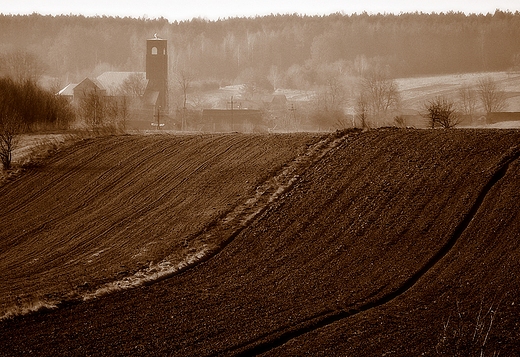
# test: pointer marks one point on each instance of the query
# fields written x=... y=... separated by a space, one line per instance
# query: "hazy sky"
x=212 y=9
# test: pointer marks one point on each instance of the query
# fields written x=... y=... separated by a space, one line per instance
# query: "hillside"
x=417 y=91
x=109 y=208
x=384 y=242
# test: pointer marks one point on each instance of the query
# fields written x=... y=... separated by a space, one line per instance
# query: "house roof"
x=108 y=81
x=275 y=99
x=68 y=90
x=88 y=82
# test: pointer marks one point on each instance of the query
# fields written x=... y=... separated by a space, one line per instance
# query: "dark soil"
x=108 y=207
x=396 y=242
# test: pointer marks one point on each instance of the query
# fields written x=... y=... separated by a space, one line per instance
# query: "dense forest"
x=283 y=50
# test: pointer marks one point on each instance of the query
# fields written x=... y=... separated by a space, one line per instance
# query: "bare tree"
x=493 y=98
x=21 y=66
x=379 y=94
x=11 y=120
x=184 y=80
x=134 y=85
x=331 y=96
x=11 y=126
x=362 y=108
x=441 y=111
x=93 y=108
x=335 y=92
x=467 y=100
x=515 y=63
x=124 y=111
x=36 y=107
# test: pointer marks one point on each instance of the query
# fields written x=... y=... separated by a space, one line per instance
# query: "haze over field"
x=325 y=57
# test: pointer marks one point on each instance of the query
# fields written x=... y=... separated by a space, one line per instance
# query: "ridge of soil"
x=404 y=229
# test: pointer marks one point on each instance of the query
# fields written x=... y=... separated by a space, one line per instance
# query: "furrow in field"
x=379 y=239
x=354 y=226
x=120 y=205
x=279 y=338
x=230 y=225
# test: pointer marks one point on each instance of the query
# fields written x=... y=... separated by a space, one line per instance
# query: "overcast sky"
x=213 y=10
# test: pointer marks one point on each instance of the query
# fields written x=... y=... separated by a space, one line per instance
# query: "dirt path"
x=225 y=229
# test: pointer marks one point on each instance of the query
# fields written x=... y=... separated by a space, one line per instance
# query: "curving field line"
x=276 y=339
x=228 y=227
x=107 y=211
x=353 y=228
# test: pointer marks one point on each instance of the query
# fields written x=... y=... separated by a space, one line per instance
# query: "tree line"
x=25 y=106
x=277 y=50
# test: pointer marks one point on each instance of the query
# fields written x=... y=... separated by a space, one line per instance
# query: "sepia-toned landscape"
x=285 y=185
x=388 y=240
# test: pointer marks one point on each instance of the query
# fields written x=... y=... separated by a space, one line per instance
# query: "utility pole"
x=158 y=116
x=183 y=119
x=292 y=109
x=232 y=118
x=95 y=106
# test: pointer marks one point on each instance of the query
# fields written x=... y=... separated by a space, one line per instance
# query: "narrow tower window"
x=154 y=50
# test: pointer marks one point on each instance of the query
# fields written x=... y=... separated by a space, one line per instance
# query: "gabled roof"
x=110 y=82
x=275 y=99
x=88 y=82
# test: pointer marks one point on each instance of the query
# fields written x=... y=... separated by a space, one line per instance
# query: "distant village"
x=140 y=101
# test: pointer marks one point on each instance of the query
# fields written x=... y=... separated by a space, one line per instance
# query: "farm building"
x=148 y=91
x=108 y=84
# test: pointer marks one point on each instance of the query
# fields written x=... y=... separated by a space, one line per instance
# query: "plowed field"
x=390 y=242
x=107 y=208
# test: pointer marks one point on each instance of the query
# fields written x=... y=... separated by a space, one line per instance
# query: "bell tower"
x=157 y=70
